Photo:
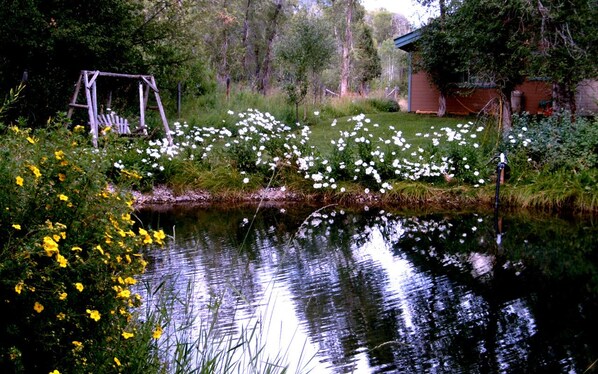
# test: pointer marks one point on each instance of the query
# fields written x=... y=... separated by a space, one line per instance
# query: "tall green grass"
x=211 y=109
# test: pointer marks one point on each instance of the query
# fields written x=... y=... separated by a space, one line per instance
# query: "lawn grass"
x=383 y=125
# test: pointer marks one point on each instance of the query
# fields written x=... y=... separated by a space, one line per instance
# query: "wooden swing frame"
x=88 y=78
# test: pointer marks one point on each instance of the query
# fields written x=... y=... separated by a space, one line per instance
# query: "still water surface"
x=369 y=290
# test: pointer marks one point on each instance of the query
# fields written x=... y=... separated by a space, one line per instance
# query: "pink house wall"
x=424 y=96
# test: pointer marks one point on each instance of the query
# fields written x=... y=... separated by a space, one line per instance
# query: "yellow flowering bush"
x=69 y=255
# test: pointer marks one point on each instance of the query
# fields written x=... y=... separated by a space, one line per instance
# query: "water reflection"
x=376 y=291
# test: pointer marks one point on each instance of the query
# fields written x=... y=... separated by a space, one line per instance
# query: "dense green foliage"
x=304 y=52
x=502 y=43
x=51 y=41
x=190 y=47
x=568 y=46
x=68 y=258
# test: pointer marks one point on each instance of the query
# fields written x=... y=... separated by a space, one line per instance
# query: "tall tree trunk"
x=441 y=104
x=506 y=110
x=245 y=42
x=263 y=79
x=563 y=98
x=224 y=73
x=346 y=57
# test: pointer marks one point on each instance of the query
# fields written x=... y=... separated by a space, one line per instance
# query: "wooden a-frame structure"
x=88 y=78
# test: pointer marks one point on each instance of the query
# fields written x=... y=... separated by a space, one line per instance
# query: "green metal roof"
x=407 y=42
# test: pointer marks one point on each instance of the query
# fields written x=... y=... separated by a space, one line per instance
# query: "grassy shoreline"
x=413 y=195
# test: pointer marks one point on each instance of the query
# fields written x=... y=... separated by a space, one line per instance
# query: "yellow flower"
x=35 y=171
x=63 y=235
x=50 y=246
x=63 y=296
x=38 y=307
x=129 y=280
x=61 y=316
x=63 y=197
x=77 y=249
x=94 y=314
x=79 y=287
x=59 y=155
x=55 y=372
x=157 y=332
x=19 y=181
x=56 y=238
x=61 y=177
x=127 y=335
x=124 y=294
x=159 y=236
x=99 y=248
x=77 y=344
x=15 y=129
x=78 y=128
x=16 y=226
x=117 y=361
x=19 y=287
x=62 y=261
x=31 y=140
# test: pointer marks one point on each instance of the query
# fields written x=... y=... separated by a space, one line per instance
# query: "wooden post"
x=142 y=108
x=74 y=98
x=94 y=97
x=161 y=109
x=92 y=119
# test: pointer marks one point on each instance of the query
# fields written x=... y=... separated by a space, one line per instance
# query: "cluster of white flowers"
x=380 y=160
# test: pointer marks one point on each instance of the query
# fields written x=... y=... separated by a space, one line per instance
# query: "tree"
x=346 y=48
x=568 y=47
x=51 y=41
x=393 y=62
x=263 y=71
x=490 y=40
x=440 y=56
x=387 y=25
x=367 y=65
x=303 y=53
x=497 y=44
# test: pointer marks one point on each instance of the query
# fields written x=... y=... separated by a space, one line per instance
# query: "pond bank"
x=408 y=196
x=426 y=198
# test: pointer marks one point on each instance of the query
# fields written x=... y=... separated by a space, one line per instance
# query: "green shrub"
x=68 y=258
x=555 y=142
x=384 y=105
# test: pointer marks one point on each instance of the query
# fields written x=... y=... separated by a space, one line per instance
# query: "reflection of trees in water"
x=467 y=304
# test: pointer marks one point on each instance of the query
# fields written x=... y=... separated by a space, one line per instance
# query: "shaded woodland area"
x=197 y=46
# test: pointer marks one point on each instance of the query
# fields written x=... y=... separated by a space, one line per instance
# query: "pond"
x=364 y=290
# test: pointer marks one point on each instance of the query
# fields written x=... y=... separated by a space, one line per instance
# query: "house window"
x=467 y=80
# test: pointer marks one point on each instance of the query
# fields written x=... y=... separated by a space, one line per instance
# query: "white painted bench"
x=118 y=124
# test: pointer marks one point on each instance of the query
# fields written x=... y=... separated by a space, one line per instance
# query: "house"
x=533 y=96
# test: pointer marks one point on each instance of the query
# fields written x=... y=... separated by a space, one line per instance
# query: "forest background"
x=197 y=46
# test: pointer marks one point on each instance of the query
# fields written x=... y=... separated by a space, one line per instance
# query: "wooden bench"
x=119 y=124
